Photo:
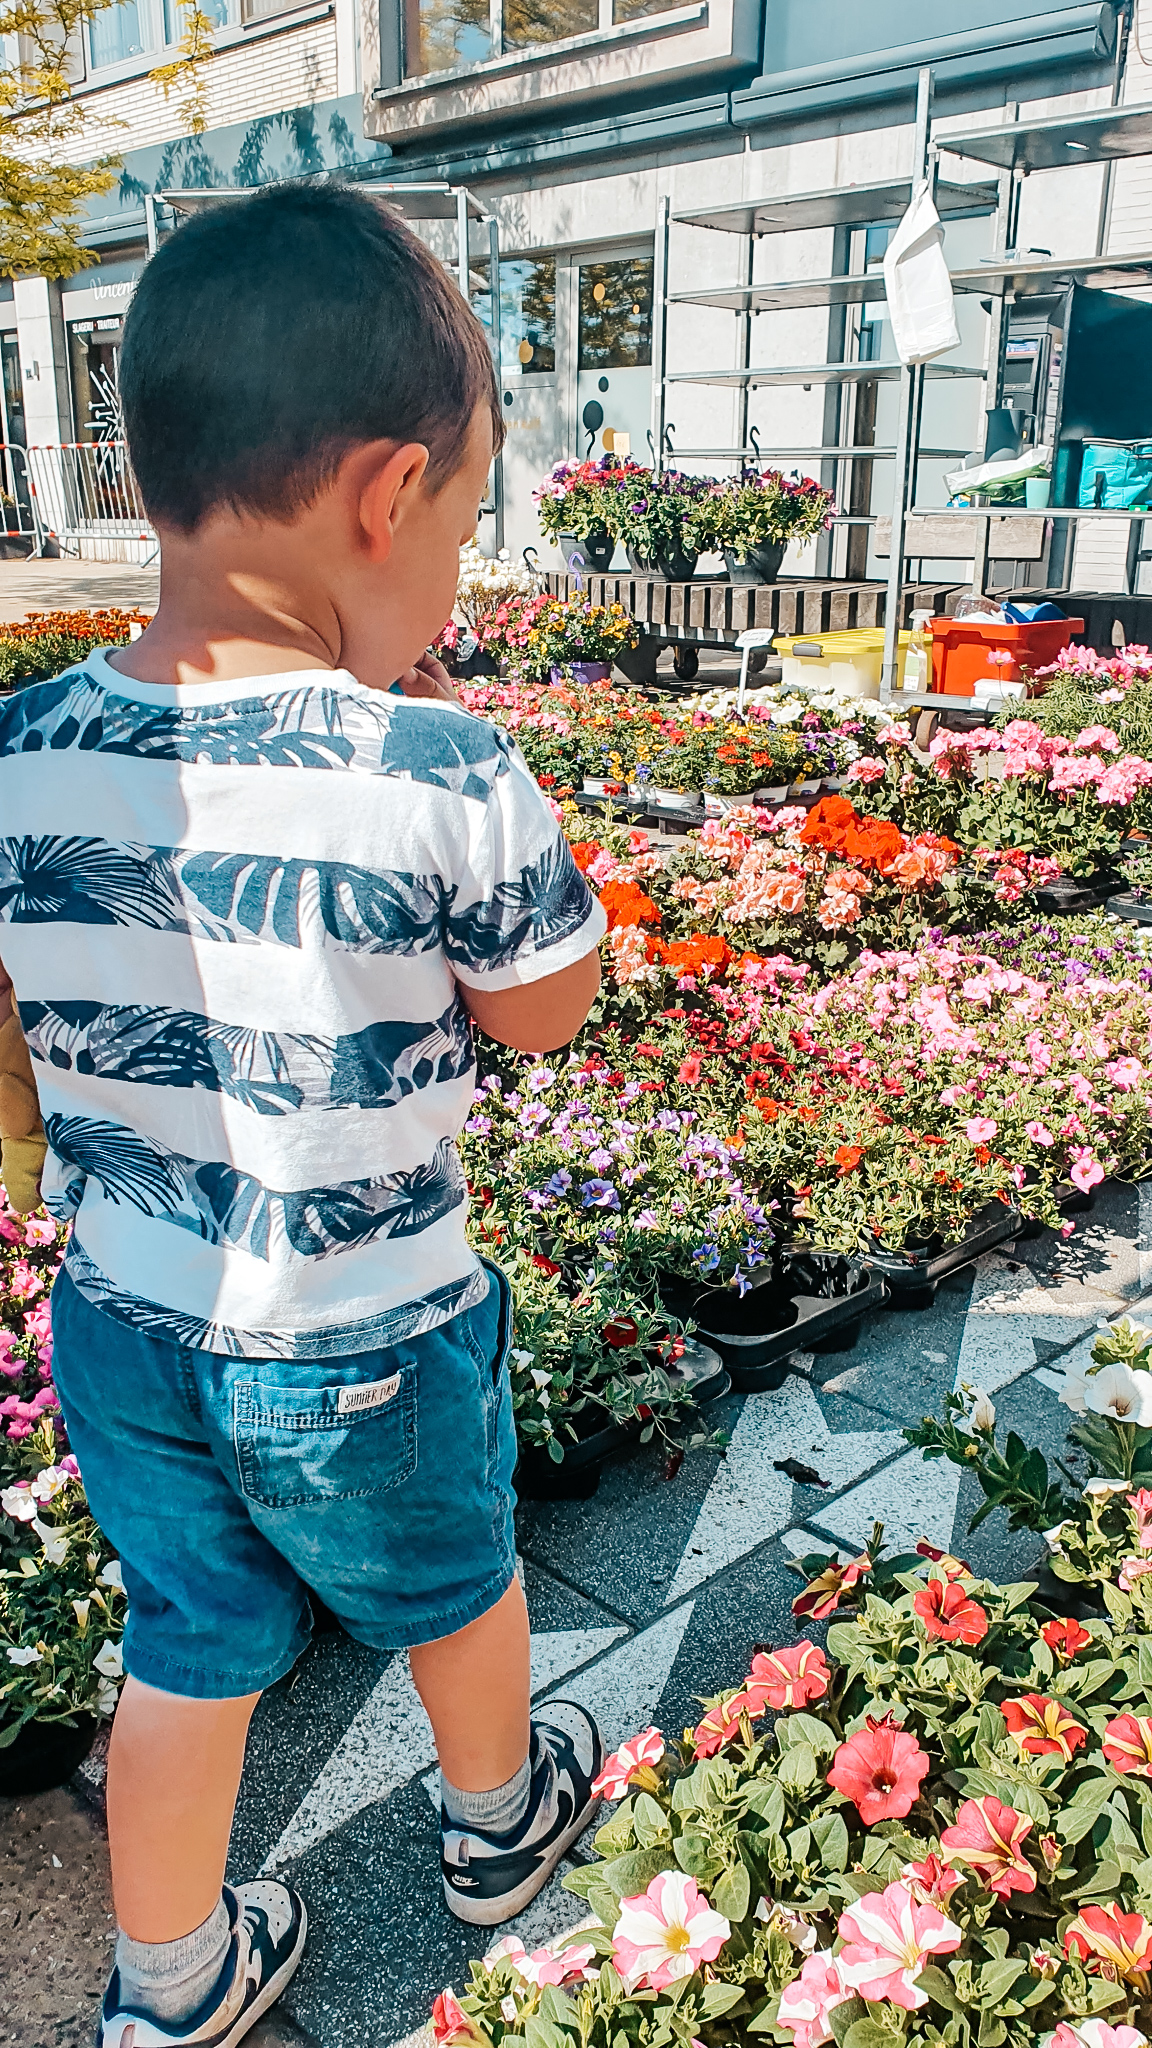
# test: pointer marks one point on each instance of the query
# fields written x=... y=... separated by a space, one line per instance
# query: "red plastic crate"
x=961 y=650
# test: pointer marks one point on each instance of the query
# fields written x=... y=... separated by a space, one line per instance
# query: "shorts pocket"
x=491 y=1355
x=296 y=1446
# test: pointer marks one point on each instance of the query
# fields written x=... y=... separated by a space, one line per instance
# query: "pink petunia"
x=665 y=1933
x=806 y=2003
x=887 y=1937
x=641 y=1753
x=980 y=1130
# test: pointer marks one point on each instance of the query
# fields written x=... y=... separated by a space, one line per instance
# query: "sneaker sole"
x=490 y=1912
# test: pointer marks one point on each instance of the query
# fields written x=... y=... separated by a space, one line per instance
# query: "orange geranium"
x=702 y=954
x=625 y=903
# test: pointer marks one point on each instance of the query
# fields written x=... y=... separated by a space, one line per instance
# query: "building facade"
x=580 y=126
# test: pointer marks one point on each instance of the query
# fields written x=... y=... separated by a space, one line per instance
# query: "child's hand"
x=429 y=678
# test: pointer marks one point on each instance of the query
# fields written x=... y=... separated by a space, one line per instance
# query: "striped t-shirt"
x=235 y=917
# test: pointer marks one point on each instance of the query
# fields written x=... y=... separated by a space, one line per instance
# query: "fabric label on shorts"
x=353 y=1400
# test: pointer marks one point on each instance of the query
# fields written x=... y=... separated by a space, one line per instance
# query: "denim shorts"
x=229 y=1486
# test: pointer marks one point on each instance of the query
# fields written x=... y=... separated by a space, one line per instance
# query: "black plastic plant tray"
x=780 y=1320
x=539 y=1477
x=912 y=1277
x=1067 y=897
x=1130 y=908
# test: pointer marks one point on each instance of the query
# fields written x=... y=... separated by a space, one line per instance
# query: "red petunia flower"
x=823 y=1594
x=1065 y=1638
x=847 y=1158
x=620 y=1333
x=949 y=1614
x=1042 y=1727
x=787 y=1678
x=1120 y=1942
x=880 y=1769
x=1128 y=1745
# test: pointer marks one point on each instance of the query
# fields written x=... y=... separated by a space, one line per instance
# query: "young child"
x=250 y=901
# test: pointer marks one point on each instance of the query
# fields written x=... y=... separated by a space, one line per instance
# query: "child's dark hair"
x=270 y=335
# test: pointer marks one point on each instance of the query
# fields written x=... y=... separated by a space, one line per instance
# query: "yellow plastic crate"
x=853 y=659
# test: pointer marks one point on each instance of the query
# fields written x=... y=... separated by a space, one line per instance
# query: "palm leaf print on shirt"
x=548 y=900
x=226 y=1206
x=269 y=1072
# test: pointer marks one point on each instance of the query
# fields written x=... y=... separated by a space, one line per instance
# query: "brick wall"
x=245 y=82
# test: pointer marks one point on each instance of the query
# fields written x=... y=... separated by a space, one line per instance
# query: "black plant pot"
x=45 y=1754
x=1130 y=907
x=913 y=1275
x=595 y=549
x=677 y=566
x=539 y=1477
x=805 y=1302
x=1068 y=894
x=758 y=565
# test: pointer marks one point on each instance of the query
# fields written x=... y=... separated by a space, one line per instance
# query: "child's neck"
x=238 y=601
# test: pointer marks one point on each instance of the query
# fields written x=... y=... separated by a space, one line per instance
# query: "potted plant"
x=570 y=508
x=545 y=638
x=755 y=517
x=652 y=515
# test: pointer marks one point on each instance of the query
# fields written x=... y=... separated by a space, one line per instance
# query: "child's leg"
x=475 y=1689
x=173 y=1774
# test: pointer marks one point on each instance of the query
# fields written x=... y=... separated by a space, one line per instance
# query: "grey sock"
x=169 y=1979
x=496 y=1811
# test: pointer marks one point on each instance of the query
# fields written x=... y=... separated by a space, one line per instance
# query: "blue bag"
x=1114 y=477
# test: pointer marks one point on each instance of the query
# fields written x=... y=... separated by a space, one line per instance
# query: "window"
x=527 y=314
x=127 y=30
x=441 y=35
x=616 y=314
x=94 y=351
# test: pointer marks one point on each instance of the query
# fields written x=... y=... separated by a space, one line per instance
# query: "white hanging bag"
x=919 y=290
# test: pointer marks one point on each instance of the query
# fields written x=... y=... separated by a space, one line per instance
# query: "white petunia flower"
x=109 y=1660
x=17 y=1501
x=25 y=1656
x=1120 y=1394
x=111 y=1575
x=55 y=1541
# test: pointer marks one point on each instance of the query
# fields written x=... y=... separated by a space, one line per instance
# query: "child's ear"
x=388 y=481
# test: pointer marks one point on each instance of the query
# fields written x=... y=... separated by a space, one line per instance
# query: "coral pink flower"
x=1103 y=1934
x=931 y=1881
x=1128 y=1744
x=1065 y=1638
x=1042 y=1727
x=1039 y=1133
x=948 y=1613
x=988 y=1835
x=24 y=1281
x=786 y=1678
x=1141 y=1506
x=806 y=2003
x=451 y=2023
x=887 y=1937
x=880 y=1769
x=619 y=1770
x=665 y=1933
x=1132 y=1569
x=39 y=1230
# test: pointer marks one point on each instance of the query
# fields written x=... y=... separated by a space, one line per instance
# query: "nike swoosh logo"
x=463 y=1881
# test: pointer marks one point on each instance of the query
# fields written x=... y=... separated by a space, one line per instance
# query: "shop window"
x=94 y=358
x=616 y=314
x=547 y=21
x=527 y=314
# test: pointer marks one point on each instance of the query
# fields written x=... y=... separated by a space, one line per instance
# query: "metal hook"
x=532 y=559
x=591 y=441
x=754 y=437
x=651 y=445
x=669 y=430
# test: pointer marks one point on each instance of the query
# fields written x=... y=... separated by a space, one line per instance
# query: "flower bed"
x=61 y=1594
x=38 y=647
x=940 y=1839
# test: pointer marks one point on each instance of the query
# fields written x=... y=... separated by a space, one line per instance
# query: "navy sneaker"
x=490 y=1878
x=269 y=1929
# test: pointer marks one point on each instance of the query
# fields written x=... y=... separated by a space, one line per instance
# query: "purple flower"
x=540 y=1077
x=533 y=1115
x=707 y=1258
x=559 y=1183
x=598 y=1194
x=646 y=1220
x=537 y=1199
x=666 y=1120
x=600 y=1159
x=479 y=1126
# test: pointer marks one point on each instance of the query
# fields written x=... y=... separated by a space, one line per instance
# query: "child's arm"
x=22 y=1146
x=538 y=1016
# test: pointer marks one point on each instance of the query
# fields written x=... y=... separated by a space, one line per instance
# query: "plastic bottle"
x=918 y=660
